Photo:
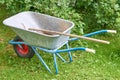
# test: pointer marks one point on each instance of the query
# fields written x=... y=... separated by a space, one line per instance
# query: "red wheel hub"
x=22 y=48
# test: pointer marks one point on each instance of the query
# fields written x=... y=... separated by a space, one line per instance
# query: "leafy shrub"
x=89 y=15
x=99 y=14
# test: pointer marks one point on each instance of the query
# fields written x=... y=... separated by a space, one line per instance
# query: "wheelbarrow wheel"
x=23 y=50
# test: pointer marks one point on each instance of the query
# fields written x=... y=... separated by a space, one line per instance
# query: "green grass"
x=104 y=65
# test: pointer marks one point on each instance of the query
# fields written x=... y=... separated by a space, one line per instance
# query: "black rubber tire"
x=29 y=54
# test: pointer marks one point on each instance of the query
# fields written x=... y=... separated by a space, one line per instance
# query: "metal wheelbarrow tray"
x=24 y=20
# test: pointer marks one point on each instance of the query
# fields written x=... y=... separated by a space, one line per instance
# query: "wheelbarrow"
x=29 y=42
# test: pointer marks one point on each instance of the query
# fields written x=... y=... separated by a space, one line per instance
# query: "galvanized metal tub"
x=20 y=23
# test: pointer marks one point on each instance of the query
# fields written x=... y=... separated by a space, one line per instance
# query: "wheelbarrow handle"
x=90 y=50
x=76 y=49
x=71 y=35
x=112 y=31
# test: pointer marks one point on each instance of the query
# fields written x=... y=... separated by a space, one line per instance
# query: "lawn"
x=104 y=65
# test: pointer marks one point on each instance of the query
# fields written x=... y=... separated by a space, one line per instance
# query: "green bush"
x=88 y=15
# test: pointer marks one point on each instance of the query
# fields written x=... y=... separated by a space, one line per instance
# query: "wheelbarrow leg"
x=55 y=63
x=40 y=58
x=69 y=53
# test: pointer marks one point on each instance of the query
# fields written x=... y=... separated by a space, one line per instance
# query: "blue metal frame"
x=56 y=52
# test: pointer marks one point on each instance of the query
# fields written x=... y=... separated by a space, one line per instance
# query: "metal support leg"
x=55 y=63
x=69 y=53
x=61 y=57
x=40 y=58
